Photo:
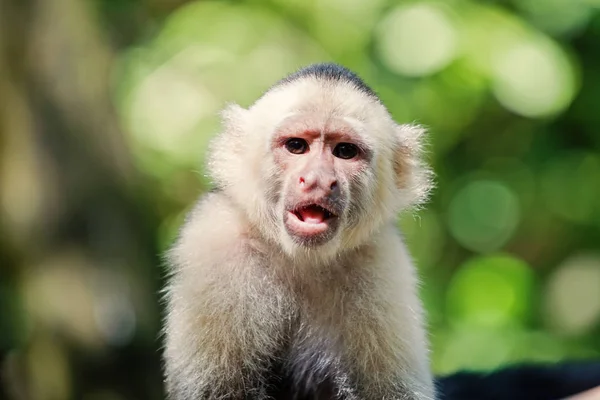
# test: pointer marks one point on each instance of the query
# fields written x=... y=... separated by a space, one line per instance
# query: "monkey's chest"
x=310 y=364
x=309 y=368
x=285 y=386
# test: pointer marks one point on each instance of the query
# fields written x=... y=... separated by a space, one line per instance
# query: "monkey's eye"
x=296 y=146
x=345 y=151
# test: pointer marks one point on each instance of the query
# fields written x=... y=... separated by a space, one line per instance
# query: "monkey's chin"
x=312 y=233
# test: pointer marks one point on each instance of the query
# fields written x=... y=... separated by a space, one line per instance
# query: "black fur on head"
x=332 y=72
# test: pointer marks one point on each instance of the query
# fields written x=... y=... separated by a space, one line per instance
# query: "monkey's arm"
x=221 y=329
x=220 y=337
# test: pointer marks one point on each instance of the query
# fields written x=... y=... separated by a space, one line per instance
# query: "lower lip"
x=305 y=229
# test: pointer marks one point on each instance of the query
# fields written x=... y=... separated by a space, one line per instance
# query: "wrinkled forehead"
x=318 y=124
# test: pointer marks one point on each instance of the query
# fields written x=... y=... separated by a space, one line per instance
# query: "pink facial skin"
x=318 y=160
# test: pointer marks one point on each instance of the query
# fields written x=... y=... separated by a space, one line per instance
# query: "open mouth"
x=310 y=220
x=313 y=214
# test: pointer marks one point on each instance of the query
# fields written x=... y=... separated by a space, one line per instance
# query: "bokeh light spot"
x=533 y=78
x=572 y=301
x=417 y=40
x=490 y=291
x=483 y=215
x=48 y=368
x=567 y=186
x=166 y=108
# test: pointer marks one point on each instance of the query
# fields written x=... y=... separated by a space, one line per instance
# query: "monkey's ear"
x=414 y=178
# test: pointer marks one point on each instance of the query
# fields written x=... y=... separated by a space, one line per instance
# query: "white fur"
x=241 y=289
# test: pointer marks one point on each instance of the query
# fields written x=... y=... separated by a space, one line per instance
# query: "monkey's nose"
x=329 y=185
x=309 y=183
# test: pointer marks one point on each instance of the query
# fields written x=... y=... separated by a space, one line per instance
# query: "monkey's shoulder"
x=213 y=230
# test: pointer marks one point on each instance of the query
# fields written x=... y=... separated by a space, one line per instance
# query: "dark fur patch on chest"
x=284 y=386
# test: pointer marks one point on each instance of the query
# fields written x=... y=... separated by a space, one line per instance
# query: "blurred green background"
x=106 y=108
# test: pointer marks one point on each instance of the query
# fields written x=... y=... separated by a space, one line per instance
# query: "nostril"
x=333 y=185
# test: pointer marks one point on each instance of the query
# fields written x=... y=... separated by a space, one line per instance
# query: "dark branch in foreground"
x=522 y=382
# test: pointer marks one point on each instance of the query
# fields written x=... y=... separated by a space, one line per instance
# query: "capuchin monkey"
x=290 y=280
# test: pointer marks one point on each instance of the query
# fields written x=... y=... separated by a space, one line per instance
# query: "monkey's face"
x=318 y=166
x=321 y=162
